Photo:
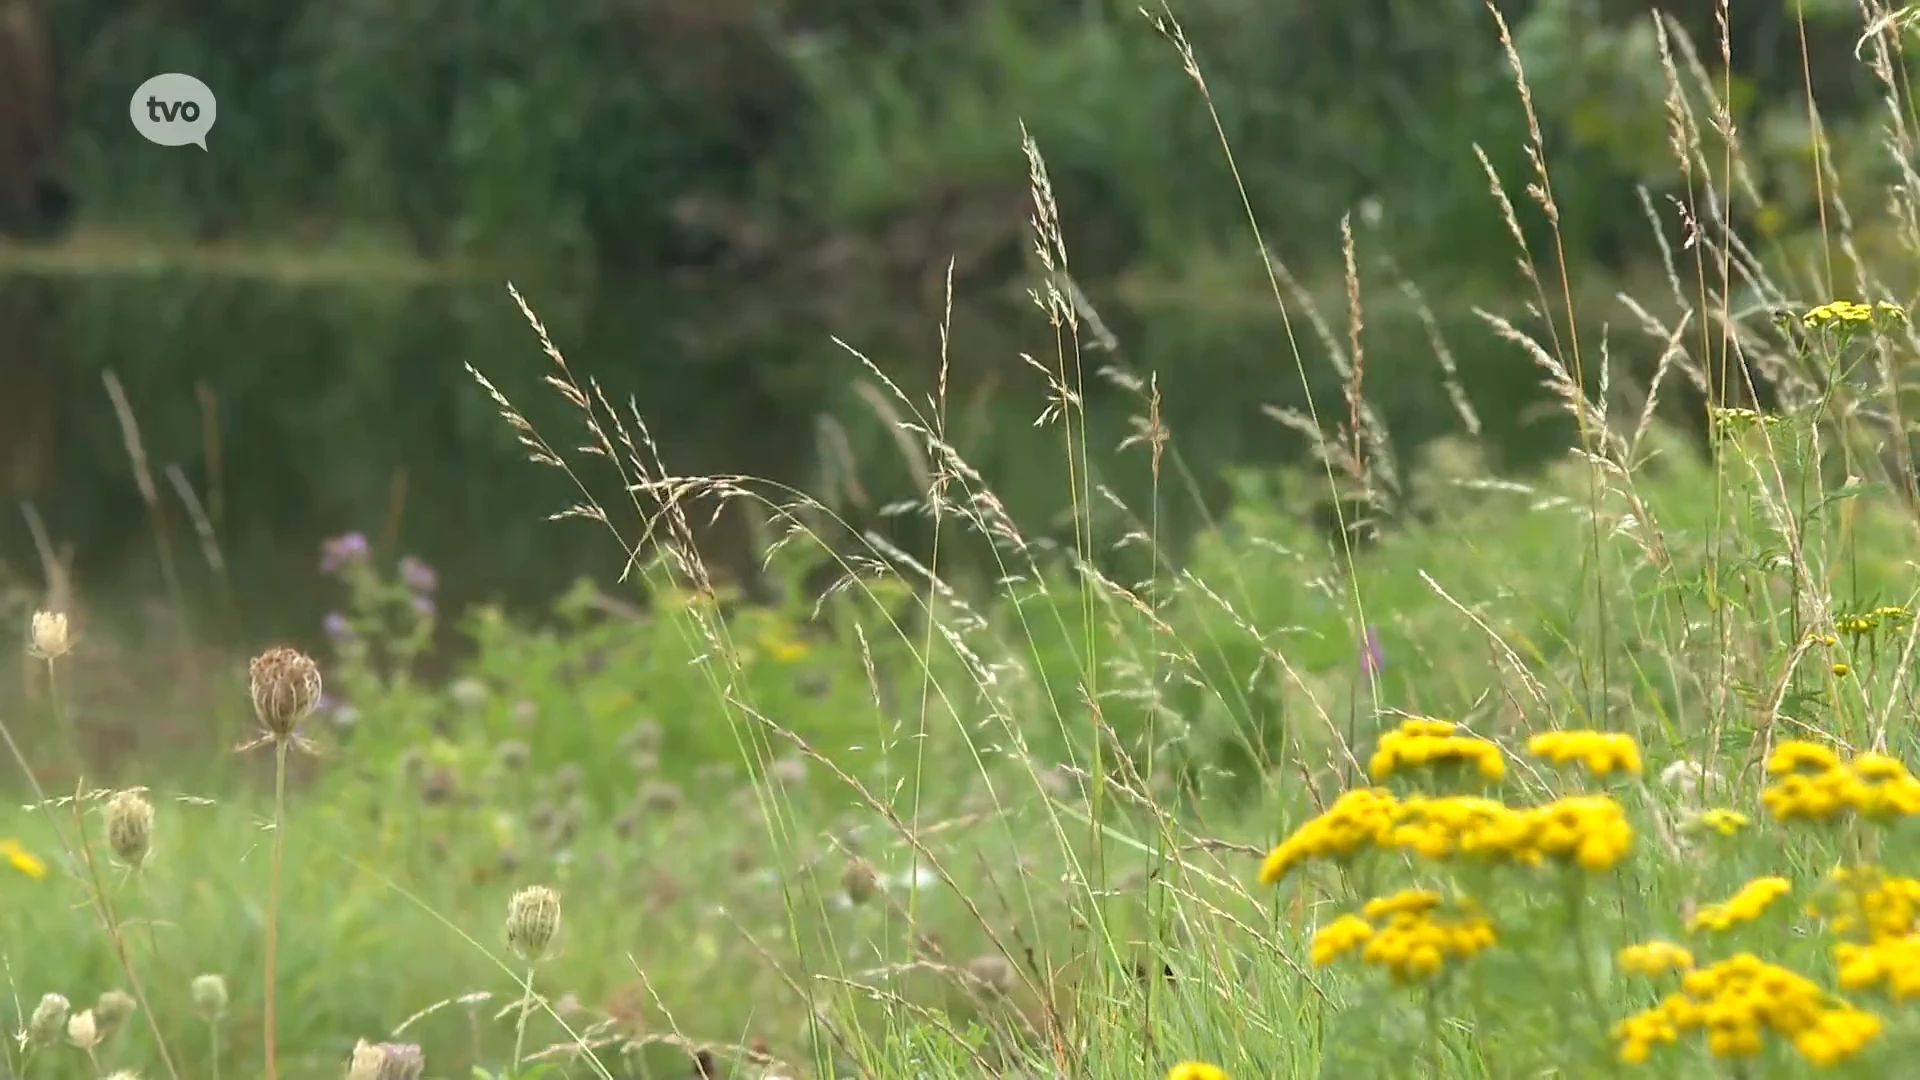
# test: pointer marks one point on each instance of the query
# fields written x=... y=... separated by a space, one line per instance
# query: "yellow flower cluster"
x=1868 y=904
x=1590 y=831
x=1423 y=743
x=1811 y=783
x=1602 y=753
x=1718 y=820
x=1736 y=1002
x=1196 y=1070
x=1892 y=965
x=1865 y=623
x=1748 y=904
x=1406 y=935
x=1842 y=312
x=1356 y=820
x=1655 y=958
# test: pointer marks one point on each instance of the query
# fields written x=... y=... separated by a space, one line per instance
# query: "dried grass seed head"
x=285 y=684
x=47 y=635
x=533 y=920
x=130 y=827
x=48 y=1021
x=209 y=996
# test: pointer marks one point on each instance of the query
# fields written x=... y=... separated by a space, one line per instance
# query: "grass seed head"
x=285 y=684
x=49 y=1019
x=130 y=827
x=209 y=996
x=47 y=635
x=533 y=918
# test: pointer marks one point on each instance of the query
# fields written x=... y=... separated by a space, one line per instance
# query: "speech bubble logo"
x=173 y=110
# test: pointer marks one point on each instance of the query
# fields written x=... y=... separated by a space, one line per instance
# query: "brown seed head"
x=533 y=918
x=860 y=880
x=992 y=973
x=49 y=1019
x=286 y=686
x=47 y=636
x=130 y=827
x=113 y=1009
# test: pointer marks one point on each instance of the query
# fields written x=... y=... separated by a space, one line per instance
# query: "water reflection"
x=301 y=409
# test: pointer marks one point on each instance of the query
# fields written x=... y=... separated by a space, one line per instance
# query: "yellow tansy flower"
x=1602 y=753
x=21 y=859
x=1655 y=958
x=1196 y=1070
x=1748 y=904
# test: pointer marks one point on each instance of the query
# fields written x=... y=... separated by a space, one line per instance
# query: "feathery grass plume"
x=49 y=1019
x=83 y=1030
x=48 y=637
x=130 y=827
x=533 y=920
x=859 y=880
x=209 y=996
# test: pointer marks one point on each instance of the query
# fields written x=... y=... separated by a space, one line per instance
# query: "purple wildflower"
x=423 y=605
x=1372 y=657
x=340 y=552
x=418 y=575
x=337 y=627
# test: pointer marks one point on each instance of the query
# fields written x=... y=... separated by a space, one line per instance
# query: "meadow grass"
x=1110 y=817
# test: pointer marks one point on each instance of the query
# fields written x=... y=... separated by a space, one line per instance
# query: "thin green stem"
x=213 y=1047
x=520 y=1029
x=273 y=893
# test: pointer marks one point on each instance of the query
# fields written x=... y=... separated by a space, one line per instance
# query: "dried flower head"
x=662 y=797
x=49 y=1019
x=566 y=779
x=112 y=1010
x=860 y=881
x=47 y=636
x=533 y=918
x=992 y=973
x=513 y=755
x=401 y=1061
x=83 y=1030
x=130 y=827
x=286 y=685
x=210 y=996
x=368 y=1061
